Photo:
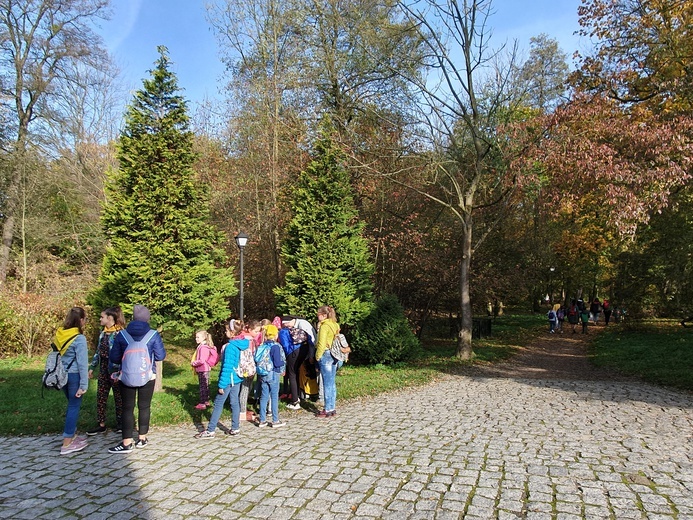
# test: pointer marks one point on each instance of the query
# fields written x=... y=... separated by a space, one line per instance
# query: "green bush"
x=384 y=336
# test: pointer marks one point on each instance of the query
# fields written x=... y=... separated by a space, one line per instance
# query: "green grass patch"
x=25 y=412
x=659 y=351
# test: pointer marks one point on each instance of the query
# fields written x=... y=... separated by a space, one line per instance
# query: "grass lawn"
x=659 y=351
x=25 y=412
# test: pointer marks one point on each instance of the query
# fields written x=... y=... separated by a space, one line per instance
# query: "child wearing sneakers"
x=270 y=366
x=229 y=381
x=204 y=359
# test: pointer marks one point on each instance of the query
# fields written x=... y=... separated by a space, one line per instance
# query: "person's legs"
x=292 y=368
x=203 y=378
x=219 y=401
x=118 y=401
x=73 y=406
x=273 y=385
x=328 y=378
x=235 y=400
x=244 y=391
x=103 y=387
x=144 y=405
x=128 y=393
x=264 y=396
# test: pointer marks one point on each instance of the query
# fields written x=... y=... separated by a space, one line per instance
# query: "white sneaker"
x=205 y=435
x=278 y=424
x=293 y=406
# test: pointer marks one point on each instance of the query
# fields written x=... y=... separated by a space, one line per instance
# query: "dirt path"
x=553 y=356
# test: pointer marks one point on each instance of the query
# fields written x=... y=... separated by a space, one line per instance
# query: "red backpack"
x=213 y=358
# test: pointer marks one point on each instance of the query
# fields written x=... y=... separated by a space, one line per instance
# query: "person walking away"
x=203 y=361
x=112 y=321
x=595 y=308
x=560 y=315
x=72 y=346
x=137 y=330
x=270 y=366
x=328 y=329
x=606 y=307
x=585 y=319
x=229 y=381
x=573 y=315
x=553 y=319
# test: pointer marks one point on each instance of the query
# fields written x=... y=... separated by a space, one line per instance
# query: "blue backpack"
x=263 y=359
x=136 y=367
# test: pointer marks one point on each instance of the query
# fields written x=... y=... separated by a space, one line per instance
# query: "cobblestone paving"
x=465 y=447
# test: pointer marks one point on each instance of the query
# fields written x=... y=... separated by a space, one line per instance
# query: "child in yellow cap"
x=270 y=363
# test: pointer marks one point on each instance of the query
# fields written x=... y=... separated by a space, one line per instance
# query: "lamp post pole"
x=551 y=270
x=241 y=241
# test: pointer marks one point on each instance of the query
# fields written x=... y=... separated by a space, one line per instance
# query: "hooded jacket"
x=73 y=354
x=230 y=359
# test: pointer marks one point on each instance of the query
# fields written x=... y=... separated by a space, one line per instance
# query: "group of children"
x=578 y=312
x=264 y=348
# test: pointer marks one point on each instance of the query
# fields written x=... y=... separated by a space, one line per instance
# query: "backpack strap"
x=126 y=336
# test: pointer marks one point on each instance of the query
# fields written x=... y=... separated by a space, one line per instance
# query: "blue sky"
x=139 y=26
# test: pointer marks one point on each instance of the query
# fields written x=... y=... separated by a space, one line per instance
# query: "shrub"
x=384 y=336
x=27 y=322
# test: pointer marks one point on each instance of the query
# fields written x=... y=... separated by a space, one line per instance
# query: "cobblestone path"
x=497 y=443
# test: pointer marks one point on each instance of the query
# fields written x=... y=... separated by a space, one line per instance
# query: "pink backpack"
x=213 y=358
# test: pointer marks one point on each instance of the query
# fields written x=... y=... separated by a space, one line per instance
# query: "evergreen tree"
x=162 y=250
x=326 y=256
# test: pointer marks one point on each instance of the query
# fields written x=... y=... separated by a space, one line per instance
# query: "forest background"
x=478 y=174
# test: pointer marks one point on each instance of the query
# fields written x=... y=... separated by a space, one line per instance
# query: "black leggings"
x=293 y=365
x=143 y=394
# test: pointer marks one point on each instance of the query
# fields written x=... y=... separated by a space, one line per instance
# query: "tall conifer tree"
x=326 y=255
x=162 y=250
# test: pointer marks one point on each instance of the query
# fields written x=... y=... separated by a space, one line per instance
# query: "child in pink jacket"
x=206 y=356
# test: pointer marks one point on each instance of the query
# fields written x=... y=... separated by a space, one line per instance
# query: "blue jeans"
x=269 y=390
x=328 y=371
x=231 y=393
x=73 y=405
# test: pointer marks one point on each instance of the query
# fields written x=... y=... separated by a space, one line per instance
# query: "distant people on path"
x=595 y=309
x=204 y=359
x=112 y=321
x=585 y=319
x=137 y=330
x=560 y=316
x=328 y=328
x=229 y=380
x=606 y=307
x=72 y=345
x=553 y=320
x=573 y=314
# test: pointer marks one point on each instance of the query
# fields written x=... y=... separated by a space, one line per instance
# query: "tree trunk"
x=159 y=383
x=464 y=337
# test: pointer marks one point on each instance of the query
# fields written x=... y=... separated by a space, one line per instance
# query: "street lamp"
x=551 y=270
x=241 y=240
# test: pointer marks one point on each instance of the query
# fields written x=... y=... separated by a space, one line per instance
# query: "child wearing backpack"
x=72 y=345
x=252 y=332
x=205 y=358
x=229 y=381
x=573 y=314
x=552 y=320
x=270 y=363
x=585 y=319
x=560 y=315
x=136 y=349
x=112 y=321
